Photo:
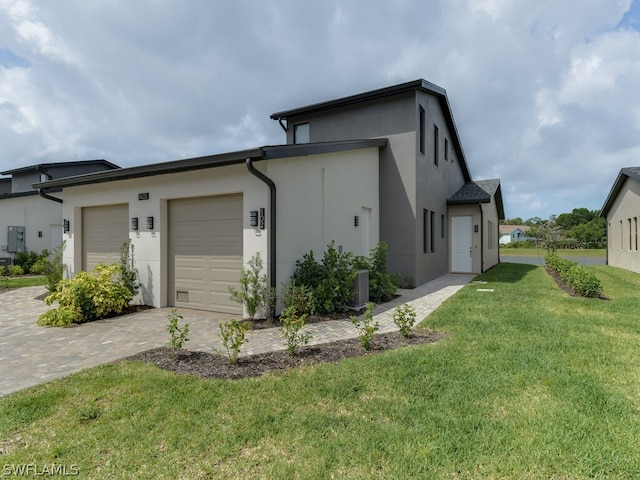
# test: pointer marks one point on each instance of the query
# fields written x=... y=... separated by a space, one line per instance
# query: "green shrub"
x=404 y=317
x=177 y=336
x=581 y=280
x=15 y=270
x=298 y=297
x=253 y=284
x=63 y=316
x=129 y=274
x=292 y=323
x=366 y=326
x=27 y=259
x=382 y=285
x=331 y=280
x=233 y=336
x=88 y=296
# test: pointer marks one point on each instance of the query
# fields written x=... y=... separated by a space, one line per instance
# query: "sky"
x=545 y=93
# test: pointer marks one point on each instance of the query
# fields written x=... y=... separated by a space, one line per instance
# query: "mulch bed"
x=212 y=365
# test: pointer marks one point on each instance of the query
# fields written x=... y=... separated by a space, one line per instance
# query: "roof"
x=420 y=85
x=44 y=166
x=212 y=161
x=479 y=191
x=511 y=228
x=629 y=172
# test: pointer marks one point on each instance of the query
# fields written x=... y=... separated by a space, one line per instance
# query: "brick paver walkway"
x=30 y=355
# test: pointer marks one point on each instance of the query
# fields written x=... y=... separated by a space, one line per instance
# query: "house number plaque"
x=143 y=196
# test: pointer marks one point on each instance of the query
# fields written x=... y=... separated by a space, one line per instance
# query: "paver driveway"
x=30 y=354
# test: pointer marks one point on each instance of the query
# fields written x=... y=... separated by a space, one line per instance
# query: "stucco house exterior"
x=621 y=211
x=29 y=222
x=385 y=165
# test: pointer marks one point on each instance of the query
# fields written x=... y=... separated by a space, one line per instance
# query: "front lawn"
x=22 y=281
x=563 y=252
x=530 y=383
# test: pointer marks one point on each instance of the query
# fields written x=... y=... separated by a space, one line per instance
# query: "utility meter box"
x=15 y=239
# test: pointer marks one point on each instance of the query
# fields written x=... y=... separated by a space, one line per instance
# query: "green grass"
x=530 y=383
x=22 y=281
x=541 y=252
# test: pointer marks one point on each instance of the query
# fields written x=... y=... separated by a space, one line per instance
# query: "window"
x=301 y=133
x=432 y=229
x=446 y=150
x=436 y=141
x=635 y=229
x=491 y=243
x=621 y=236
x=630 y=237
x=425 y=214
x=443 y=226
x=422 y=127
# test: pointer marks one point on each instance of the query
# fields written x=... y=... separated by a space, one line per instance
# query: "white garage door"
x=205 y=252
x=104 y=230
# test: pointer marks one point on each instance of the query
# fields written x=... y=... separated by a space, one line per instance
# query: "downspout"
x=481 y=239
x=48 y=197
x=282 y=125
x=272 y=227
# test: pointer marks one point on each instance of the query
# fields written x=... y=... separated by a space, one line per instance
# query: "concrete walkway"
x=30 y=355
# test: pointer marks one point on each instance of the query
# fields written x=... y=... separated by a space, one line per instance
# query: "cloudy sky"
x=545 y=93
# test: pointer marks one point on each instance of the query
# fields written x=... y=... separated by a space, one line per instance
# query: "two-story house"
x=383 y=165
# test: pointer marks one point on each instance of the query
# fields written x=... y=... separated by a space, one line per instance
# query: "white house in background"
x=621 y=211
x=385 y=165
x=29 y=222
x=513 y=233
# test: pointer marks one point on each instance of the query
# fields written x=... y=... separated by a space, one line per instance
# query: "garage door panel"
x=205 y=245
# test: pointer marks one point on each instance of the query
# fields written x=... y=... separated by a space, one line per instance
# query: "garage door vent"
x=182 y=296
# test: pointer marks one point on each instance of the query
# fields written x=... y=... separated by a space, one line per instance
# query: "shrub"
x=252 y=286
x=366 y=326
x=382 y=285
x=177 y=336
x=88 y=296
x=581 y=280
x=298 y=297
x=26 y=259
x=404 y=317
x=129 y=274
x=232 y=334
x=292 y=323
x=331 y=280
x=15 y=270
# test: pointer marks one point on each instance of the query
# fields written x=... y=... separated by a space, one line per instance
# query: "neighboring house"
x=513 y=233
x=384 y=165
x=29 y=222
x=621 y=211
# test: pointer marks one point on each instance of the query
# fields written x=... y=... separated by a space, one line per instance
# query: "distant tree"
x=512 y=221
x=579 y=216
x=592 y=232
x=547 y=234
x=533 y=221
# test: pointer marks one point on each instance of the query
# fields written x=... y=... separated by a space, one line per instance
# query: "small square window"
x=301 y=133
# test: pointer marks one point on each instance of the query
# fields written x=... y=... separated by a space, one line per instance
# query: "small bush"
x=382 y=285
x=15 y=270
x=233 y=334
x=88 y=296
x=253 y=283
x=292 y=323
x=177 y=336
x=26 y=259
x=404 y=317
x=584 y=282
x=366 y=326
x=298 y=297
x=129 y=274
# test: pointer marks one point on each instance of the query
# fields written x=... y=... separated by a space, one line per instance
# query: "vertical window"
x=443 y=226
x=621 y=236
x=425 y=214
x=630 y=238
x=422 y=130
x=432 y=239
x=436 y=141
x=446 y=150
x=491 y=241
x=301 y=133
x=635 y=230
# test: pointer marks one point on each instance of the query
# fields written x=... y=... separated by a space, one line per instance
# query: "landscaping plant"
x=404 y=317
x=233 y=334
x=366 y=326
x=382 y=285
x=578 y=278
x=253 y=283
x=178 y=336
x=297 y=296
x=292 y=323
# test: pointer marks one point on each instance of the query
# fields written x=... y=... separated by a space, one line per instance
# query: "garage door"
x=205 y=252
x=104 y=230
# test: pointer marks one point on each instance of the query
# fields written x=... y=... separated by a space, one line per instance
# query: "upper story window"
x=421 y=131
x=301 y=133
x=436 y=142
x=446 y=150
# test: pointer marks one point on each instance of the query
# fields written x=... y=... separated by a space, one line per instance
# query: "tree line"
x=582 y=228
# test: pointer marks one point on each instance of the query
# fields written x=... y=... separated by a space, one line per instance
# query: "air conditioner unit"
x=361 y=289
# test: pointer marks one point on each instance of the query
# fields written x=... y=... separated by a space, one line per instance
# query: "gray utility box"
x=361 y=290
x=15 y=239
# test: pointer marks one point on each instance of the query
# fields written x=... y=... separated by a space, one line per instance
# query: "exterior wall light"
x=253 y=218
x=65 y=226
x=134 y=223
x=150 y=223
x=356 y=221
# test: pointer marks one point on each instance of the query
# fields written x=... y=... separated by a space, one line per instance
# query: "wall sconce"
x=150 y=223
x=134 y=223
x=356 y=221
x=39 y=233
x=65 y=226
x=253 y=218
x=475 y=228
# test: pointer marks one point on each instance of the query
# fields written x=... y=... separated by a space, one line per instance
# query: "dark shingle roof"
x=479 y=191
x=629 y=172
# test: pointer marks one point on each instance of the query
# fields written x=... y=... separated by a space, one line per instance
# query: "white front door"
x=461 y=244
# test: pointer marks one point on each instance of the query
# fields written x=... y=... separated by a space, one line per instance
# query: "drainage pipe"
x=272 y=223
x=48 y=197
